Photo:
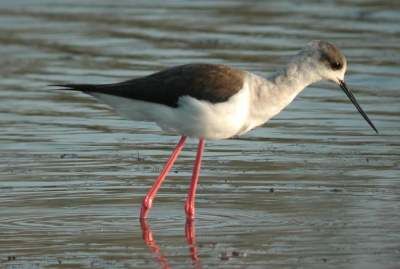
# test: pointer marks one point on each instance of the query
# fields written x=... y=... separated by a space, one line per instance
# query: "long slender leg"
x=148 y=199
x=189 y=205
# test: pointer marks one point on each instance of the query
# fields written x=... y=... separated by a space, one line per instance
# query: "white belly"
x=192 y=117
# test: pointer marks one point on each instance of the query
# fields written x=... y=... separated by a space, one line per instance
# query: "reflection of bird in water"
x=190 y=234
x=216 y=101
x=148 y=238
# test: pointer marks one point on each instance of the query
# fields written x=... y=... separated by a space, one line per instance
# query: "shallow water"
x=313 y=188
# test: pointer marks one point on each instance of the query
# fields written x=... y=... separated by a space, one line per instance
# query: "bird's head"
x=330 y=62
x=331 y=65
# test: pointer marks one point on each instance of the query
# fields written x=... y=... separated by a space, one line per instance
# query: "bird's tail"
x=78 y=87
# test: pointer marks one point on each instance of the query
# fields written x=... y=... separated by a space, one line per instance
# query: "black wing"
x=213 y=83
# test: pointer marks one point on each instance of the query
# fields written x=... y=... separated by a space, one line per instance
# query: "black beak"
x=355 y=103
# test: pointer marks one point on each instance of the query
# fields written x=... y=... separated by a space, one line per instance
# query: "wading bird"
x=209 y=101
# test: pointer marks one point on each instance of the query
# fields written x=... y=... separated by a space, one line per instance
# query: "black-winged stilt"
x=210 y=101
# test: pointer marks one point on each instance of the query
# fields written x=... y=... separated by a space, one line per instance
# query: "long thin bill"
x=355 y=103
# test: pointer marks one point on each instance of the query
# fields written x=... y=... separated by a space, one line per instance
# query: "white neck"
x=270 y=96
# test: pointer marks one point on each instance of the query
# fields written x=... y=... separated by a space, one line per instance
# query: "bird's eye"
x=336 y=65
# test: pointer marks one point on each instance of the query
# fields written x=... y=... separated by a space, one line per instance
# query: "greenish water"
x=313 y=188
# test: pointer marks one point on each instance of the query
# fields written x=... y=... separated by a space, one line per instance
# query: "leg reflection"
x=190 y=234
x=152 y=244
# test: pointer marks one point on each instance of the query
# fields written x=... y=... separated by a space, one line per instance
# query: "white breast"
x=213 y=121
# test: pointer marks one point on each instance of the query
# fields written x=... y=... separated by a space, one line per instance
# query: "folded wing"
x=213 y=83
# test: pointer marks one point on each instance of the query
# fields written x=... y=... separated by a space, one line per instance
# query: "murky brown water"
x=314 y=188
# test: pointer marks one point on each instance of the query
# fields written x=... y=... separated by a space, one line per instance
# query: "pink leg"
x=148 y=199
x=189 y=206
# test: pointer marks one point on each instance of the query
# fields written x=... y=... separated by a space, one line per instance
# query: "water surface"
x=313 y=188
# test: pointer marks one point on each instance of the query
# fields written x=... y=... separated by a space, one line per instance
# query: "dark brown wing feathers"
x=213 y=83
